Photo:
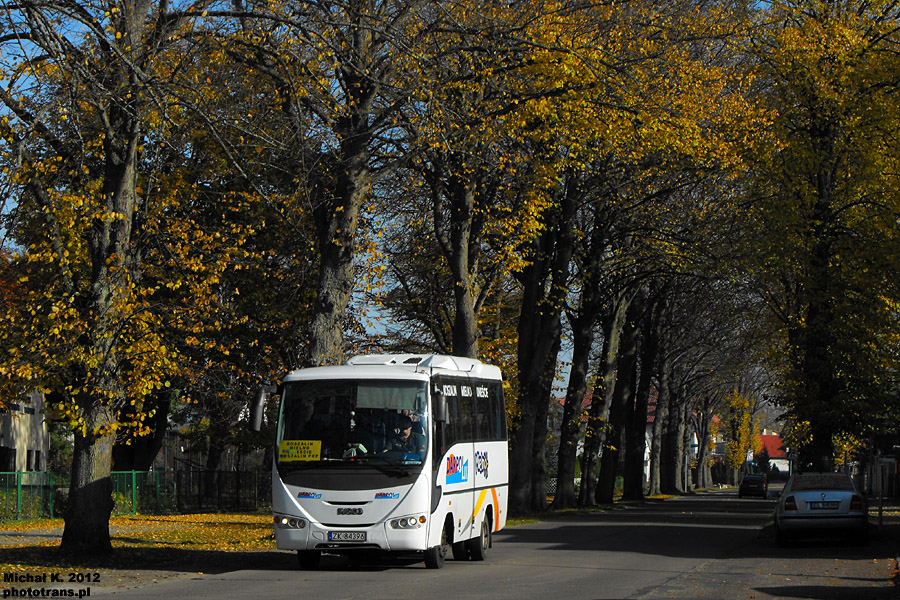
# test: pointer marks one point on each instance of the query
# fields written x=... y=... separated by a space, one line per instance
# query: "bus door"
x=491 y=458
x=455 y=470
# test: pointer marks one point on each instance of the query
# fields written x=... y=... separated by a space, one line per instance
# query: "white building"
x=24 y=436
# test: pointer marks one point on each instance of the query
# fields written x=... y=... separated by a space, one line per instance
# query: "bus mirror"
x=259 y=406
x=440 y=408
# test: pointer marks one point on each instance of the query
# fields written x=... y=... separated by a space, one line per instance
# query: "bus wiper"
x=288 y=468
x=398 y=467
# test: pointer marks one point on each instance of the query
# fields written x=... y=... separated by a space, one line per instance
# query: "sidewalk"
x=886 y=520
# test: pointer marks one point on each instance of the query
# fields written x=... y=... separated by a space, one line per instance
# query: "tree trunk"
x=210 y=475
x=583 y=324
x=671 y=465
x=541 y=429
x=593 y=438
x=337 y=239
x=662 y=414
x=139 y=454
x=540 y=327
x=115 y=270
x=595 y=434
x=570 y=429
x=636 y=425
x=537 y=369
x=463 y=266
x=821 y=407
x=684 y=448
x=704 y=479
x=90 y=502
x=520 y=473
x=337 y=216
x=620 y=409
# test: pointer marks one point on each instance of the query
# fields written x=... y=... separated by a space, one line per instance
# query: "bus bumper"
x=380 y=536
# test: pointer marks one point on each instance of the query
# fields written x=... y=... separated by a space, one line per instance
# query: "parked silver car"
x=821 y=504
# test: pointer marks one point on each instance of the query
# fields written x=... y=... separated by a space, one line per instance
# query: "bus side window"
x=483 y=416
x=465 y=430
x=450 y=425
x=498 y=411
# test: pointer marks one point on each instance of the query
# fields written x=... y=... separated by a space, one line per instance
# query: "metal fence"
x=35 y=495
x=27 y=495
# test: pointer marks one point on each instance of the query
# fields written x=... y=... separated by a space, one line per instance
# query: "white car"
x=821 y=504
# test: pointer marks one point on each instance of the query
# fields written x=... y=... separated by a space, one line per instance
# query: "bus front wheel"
x=434 y=556
x=309 y=559
x=478 y=546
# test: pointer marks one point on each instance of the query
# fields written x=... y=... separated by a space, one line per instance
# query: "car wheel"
x=781 y=538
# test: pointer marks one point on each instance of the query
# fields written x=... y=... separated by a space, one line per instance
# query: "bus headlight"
x=408 y=522
x=286 y=522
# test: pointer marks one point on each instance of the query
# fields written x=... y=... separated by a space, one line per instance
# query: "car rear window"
x=822 y=481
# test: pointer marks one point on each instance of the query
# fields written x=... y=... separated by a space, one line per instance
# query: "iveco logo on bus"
x=349 y=511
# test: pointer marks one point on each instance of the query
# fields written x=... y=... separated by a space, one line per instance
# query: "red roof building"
x=774 y=445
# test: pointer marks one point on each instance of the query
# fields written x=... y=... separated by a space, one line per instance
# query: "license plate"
x=824 y=505
x=346 y=536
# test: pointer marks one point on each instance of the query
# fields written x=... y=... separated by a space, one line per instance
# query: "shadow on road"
x=187 y=560
x=159 y=559
x=824 y=592
x=685 y=528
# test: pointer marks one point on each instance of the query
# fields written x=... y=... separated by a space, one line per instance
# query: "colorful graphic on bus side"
x=481 y=464
x=457 y=469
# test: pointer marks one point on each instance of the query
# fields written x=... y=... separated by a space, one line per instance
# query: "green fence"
x=143 y=491
x=35 y=495
x=26 y=495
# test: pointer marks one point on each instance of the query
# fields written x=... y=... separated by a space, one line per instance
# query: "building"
x=773 y=444
x=24 y=436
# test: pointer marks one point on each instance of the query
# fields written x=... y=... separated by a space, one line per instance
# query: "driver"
x=405 y=439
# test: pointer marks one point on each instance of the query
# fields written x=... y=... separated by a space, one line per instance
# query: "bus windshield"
x=353 y=421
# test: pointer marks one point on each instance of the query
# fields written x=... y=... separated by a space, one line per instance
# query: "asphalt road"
x=712 y=546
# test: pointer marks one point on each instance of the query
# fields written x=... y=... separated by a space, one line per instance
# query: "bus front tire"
x=309 y=559
x=478 y=546
x=434 y=556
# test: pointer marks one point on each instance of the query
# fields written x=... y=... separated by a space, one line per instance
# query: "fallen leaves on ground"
x=146 y=547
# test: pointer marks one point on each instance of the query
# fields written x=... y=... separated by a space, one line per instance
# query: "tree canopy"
x=199 y=197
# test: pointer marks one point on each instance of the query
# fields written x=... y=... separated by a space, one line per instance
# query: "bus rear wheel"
x=478 y=546
x=309 y=559
x=460 y=551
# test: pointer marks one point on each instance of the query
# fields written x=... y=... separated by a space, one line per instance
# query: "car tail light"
x=790 y=503
x=856 y=503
